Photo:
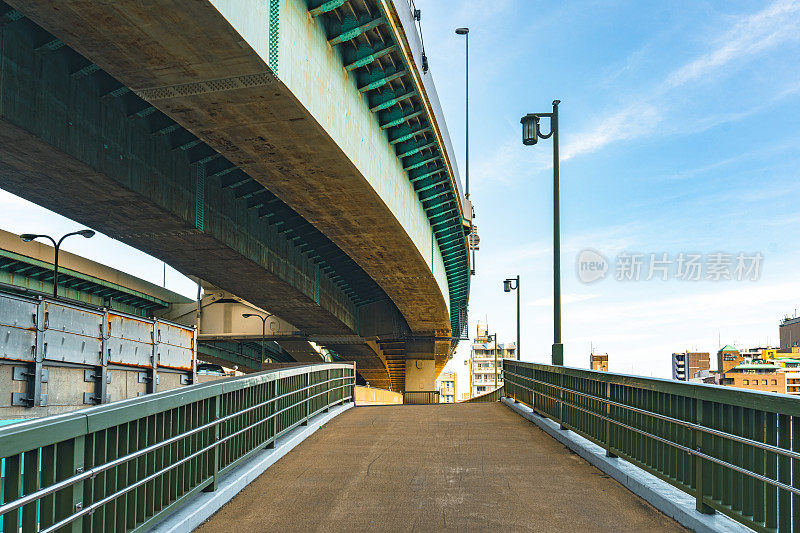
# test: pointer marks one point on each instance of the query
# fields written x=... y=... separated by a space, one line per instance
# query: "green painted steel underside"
x=27 y=273
x=370 y=52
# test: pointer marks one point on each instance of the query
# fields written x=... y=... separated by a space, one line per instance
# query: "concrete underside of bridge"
x=464 y=467
x=262 y=128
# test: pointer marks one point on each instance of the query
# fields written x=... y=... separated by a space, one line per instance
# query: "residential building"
x=446 y=384
x=727 y=358
x=765 y=377
x=484 y=375
x=687 y=365
x=789 y=332
x=599 y=362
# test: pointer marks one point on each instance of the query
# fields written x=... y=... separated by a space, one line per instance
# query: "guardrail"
x=421 y=397
x=736 y=451
x=125 y=465
x=491 y=396
x=373 y=396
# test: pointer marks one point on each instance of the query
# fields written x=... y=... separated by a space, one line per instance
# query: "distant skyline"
x=680 y=134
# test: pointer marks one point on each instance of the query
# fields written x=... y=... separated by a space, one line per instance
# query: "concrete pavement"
x=475 y=467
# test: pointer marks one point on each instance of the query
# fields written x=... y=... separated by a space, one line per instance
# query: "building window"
x=763 y=381
x=774 y=381
x=747 y=382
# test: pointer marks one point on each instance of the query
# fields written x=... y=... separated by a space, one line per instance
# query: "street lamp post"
x=530 y=136
x=494 y=350
x=263 y=331
x=512 y=284
x=28 y=237
x=465 y=33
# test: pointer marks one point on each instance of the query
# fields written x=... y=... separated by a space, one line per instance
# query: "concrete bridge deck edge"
x=668 y=499
x=202 y=506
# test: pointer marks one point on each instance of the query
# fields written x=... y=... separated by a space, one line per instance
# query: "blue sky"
x=679 y=133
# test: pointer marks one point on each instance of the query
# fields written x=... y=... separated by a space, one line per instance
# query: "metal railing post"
x=307 y=401
x=700 y=479
x=70 y=462
x=561 y=402
x=609 y=430
x=327 y=391
x=214 y=459
x=273 y=422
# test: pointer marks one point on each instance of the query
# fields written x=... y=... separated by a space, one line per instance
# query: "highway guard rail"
x=125 y=465
x=736 y=451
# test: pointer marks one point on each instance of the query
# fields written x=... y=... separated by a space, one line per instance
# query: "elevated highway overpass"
x=291 y=153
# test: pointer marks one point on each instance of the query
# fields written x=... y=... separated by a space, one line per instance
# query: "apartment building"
x=599 y=362
x=486 y=361
x=446 y=384
x=687 y=365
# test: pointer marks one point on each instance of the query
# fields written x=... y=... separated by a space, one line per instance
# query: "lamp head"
x=86 y=233
x=462 y=31
x=530 y=129
x=507 y=285
x=27 y=237
x=247 y=315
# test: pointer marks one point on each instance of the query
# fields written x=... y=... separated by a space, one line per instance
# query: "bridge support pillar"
x=420 y=375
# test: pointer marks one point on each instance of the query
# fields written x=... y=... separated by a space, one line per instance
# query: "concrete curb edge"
x=198 y=509
x=670 y=500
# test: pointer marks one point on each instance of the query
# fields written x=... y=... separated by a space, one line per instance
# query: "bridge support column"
x=420 y=375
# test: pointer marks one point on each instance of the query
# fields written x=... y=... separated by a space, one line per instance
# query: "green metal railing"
x=491 y=396
x=421 y=397
x=123 y=466
x=735 y=451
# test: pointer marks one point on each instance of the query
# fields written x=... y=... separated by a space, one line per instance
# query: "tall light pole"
x=512 y=284
x=465 y=33
x=530 y=136
x=263 y=331
x=28 y=237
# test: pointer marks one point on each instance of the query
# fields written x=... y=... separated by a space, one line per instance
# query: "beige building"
x=446 y=385
x=728 y=357
x=485 y=375
x=687 y=365
x=765 y=376
x=599 y=362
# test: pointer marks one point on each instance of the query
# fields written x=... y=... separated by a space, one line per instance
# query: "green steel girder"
x=411 y=150
x=389 y=99
x=424 y=186
x=352 y=28
x=85 y=71
x=421 y=174
x=202 y=154
x=406 y=133
x=422 y=160
x=445 y=242
x=366 y=55
x=50 y=45
x=247 y=189
x=234 y=178
x=324 y=7
x=441 y=217
x=446 y=207
x=219 y=167
x=395 y=118
x=378 y=78
x=431 y=194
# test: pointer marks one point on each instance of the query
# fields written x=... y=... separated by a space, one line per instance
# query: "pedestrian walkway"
x=476 y=467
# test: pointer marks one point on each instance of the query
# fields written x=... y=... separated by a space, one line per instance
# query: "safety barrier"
x=735 y=451
x=491 y=396
x=373 y=396
x=125 y=465
x=421 y=397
